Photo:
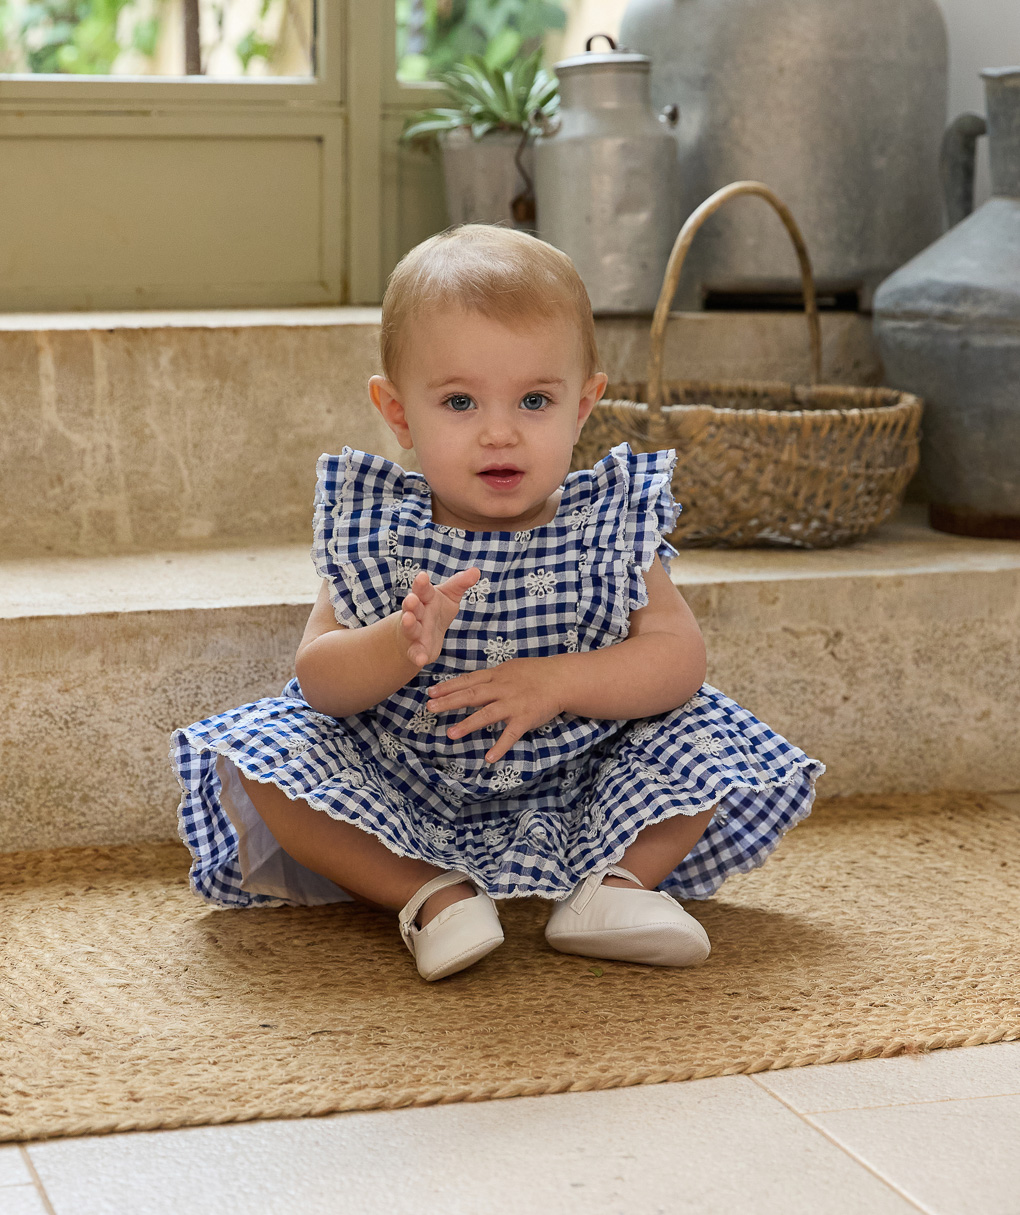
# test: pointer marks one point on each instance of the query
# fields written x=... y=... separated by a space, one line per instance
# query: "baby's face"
x=472 y=394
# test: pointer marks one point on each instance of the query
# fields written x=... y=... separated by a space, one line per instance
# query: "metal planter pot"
x=481 y=177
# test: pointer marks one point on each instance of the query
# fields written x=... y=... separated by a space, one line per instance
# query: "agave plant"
x=488 y=99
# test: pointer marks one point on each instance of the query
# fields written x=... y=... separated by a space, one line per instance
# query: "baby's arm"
x=345 y=671
x=659 y=666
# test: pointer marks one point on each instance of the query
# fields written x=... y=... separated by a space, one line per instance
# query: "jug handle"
x=681 y=247
x=956 y=163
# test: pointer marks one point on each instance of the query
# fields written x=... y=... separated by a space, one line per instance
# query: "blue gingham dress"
x=568 y=797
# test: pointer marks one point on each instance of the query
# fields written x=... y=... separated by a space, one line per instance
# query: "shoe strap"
x=584 y=894
x=405 y=919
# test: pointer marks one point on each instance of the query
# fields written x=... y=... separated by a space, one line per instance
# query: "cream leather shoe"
x=457 y=937
x=626 y=925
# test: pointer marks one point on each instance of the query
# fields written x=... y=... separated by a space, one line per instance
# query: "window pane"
x=218 y=39
x=433 y=35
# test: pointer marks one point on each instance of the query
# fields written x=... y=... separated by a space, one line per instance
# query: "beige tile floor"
x=938 y=1134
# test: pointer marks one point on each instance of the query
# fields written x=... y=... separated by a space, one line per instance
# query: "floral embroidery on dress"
x=447 y=530
x=548 y=727
x=506 y=777
x=407 y=571
x=479 y=592
x=571 y=641
x=708 y=742
x=580 y=516
x=436 y=833
x=540 y=582
x=570 y=778
x=500 y=649
x=644 y=732
x=582 y=561
x=493 y=837
x=352 y=777
x=391 y=541
x=605 y=768
x=350 y=753
x=596 y=811
x=455 y=769
x=522 y=537
x=389 y=744
x=423 y=722
x=697 y=701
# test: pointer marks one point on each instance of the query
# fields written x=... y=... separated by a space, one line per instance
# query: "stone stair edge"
x=283 y=575
x=363 y=315
x=198 y=318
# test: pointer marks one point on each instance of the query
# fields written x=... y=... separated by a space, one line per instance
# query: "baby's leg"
x=660 y=847
x=348 y=856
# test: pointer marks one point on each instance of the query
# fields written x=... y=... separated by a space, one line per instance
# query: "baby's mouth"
x=502 y=478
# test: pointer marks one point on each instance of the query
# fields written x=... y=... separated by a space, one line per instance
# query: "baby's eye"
x=534 y=401
x=459 y=402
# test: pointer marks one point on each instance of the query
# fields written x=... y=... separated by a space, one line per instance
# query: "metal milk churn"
x=838 y=105
x=948 y=328
x=606 y=187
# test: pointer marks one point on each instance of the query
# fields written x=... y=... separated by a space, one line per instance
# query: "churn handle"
x=956 y=164
x=681 y=247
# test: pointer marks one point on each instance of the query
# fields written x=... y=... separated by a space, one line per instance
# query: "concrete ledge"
x=896 y=661
x=144 y=431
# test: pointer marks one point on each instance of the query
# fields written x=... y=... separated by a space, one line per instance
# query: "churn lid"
x=614 y=57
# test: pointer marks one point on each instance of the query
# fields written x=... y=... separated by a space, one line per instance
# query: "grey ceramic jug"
x=838 y=105
x=948 y=329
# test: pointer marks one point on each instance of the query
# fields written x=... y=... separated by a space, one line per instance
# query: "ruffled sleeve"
x=640 y=511
x=356 y=497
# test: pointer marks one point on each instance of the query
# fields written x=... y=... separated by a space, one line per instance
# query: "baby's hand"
x=428 y=611
x=524 y=693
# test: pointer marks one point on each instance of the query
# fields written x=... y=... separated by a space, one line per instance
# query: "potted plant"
x=488 y=166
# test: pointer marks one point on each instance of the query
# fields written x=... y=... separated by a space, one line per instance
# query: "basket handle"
x=681 y=247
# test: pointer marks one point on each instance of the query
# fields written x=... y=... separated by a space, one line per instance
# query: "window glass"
x=218 y=39
x=433 y=35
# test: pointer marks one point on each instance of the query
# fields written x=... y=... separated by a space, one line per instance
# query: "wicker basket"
x=760 y=462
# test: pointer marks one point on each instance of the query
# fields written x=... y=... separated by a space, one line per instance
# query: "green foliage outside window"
x=434 y=36
x=80 y=37
x=60 y=36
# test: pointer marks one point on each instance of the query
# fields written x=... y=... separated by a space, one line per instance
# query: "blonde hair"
x=503 y=274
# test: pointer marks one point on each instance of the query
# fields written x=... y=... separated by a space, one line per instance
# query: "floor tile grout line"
x=864 y=1164
x=36 y=1179
x=895 y=1105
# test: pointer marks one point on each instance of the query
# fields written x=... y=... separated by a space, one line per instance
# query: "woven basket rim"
x=904 y=403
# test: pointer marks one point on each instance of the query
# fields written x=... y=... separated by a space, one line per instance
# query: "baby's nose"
x=498 y=432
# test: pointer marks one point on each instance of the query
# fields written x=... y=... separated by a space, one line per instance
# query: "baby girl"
x=499 y=691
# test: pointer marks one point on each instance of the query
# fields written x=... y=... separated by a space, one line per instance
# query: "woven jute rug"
x=880 y=926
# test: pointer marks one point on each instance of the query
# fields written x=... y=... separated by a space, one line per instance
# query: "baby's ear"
x=592 y=392
x=384 y=397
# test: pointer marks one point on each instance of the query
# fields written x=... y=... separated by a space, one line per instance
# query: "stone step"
x=896 y=661
x=145 y=431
